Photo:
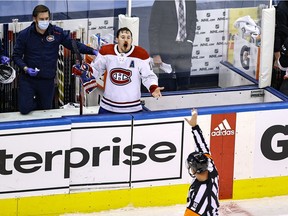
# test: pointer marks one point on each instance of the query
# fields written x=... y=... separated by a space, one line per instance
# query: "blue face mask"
x=43 y=24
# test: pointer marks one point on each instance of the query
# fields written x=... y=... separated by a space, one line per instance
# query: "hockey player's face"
x=124 y=41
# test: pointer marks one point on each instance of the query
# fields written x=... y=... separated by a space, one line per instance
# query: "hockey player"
x=203 y=193
x=127 y=66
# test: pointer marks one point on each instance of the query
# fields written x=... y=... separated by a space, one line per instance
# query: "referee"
x=203 y=193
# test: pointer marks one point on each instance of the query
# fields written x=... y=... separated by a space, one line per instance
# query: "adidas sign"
x=223 y=129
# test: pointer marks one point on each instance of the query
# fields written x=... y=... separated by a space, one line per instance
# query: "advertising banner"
x=32 y=161
x=271 y=144
x=97 y=152
x=157 y=145
x=100 y=155
x=222 y=138
x=209 y=47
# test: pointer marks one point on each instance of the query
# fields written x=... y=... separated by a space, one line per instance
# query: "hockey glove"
x=84 y=72
x=32 y=72
x=95 y=52
x=5 y=60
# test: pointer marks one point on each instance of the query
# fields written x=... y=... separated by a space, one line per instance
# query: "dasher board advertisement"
x=110 y=158
x=271 y=149
x=32 y=160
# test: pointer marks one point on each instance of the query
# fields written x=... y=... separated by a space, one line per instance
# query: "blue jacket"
x=35 y=50
x=1 y=49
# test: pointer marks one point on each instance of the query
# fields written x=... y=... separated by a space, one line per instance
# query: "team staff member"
x=281 y=34
x=3 y=59
x=171 y=35
x=281 y=30
x=36 y=54
x=203 y=193
x=127 y=66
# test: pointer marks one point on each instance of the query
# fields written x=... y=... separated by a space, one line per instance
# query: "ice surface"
x=270 y=206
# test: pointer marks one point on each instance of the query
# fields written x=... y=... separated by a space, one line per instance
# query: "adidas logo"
x=223 y=129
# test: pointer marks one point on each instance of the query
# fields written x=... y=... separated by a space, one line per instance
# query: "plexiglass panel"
x=227 y=31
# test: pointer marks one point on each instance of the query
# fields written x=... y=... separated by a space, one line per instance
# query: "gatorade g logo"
x=223 y=129
x=120 y=76
x=278 y=151
x=244 y=57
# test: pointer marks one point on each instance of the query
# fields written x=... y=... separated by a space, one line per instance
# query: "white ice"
x=270 y=206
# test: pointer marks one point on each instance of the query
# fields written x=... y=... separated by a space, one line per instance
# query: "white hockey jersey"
x=125 y=72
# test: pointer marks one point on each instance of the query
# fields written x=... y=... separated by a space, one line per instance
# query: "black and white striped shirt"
x=203 y=197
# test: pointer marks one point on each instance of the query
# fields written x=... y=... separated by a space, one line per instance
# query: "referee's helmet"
x=197 y=161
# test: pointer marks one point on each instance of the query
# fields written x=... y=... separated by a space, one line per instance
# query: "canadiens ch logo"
x=120 y=76
x=50 y=38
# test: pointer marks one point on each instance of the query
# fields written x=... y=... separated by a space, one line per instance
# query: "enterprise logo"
x=223 y=129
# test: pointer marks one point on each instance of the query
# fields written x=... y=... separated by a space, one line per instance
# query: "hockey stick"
x=78 y=61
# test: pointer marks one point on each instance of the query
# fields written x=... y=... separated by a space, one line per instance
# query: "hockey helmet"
x=7 y=74
x=197 y=161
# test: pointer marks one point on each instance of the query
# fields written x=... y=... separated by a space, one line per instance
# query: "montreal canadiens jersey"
x=125 y=72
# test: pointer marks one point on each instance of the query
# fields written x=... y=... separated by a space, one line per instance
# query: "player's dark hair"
x=40 y=9
x=123 y=30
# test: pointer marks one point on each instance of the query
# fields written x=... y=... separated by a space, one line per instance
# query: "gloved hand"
x=32 y=72
x=89 y=82
x=78 y=69
x=5 y=60
x=85 y=74
x=95 y=52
